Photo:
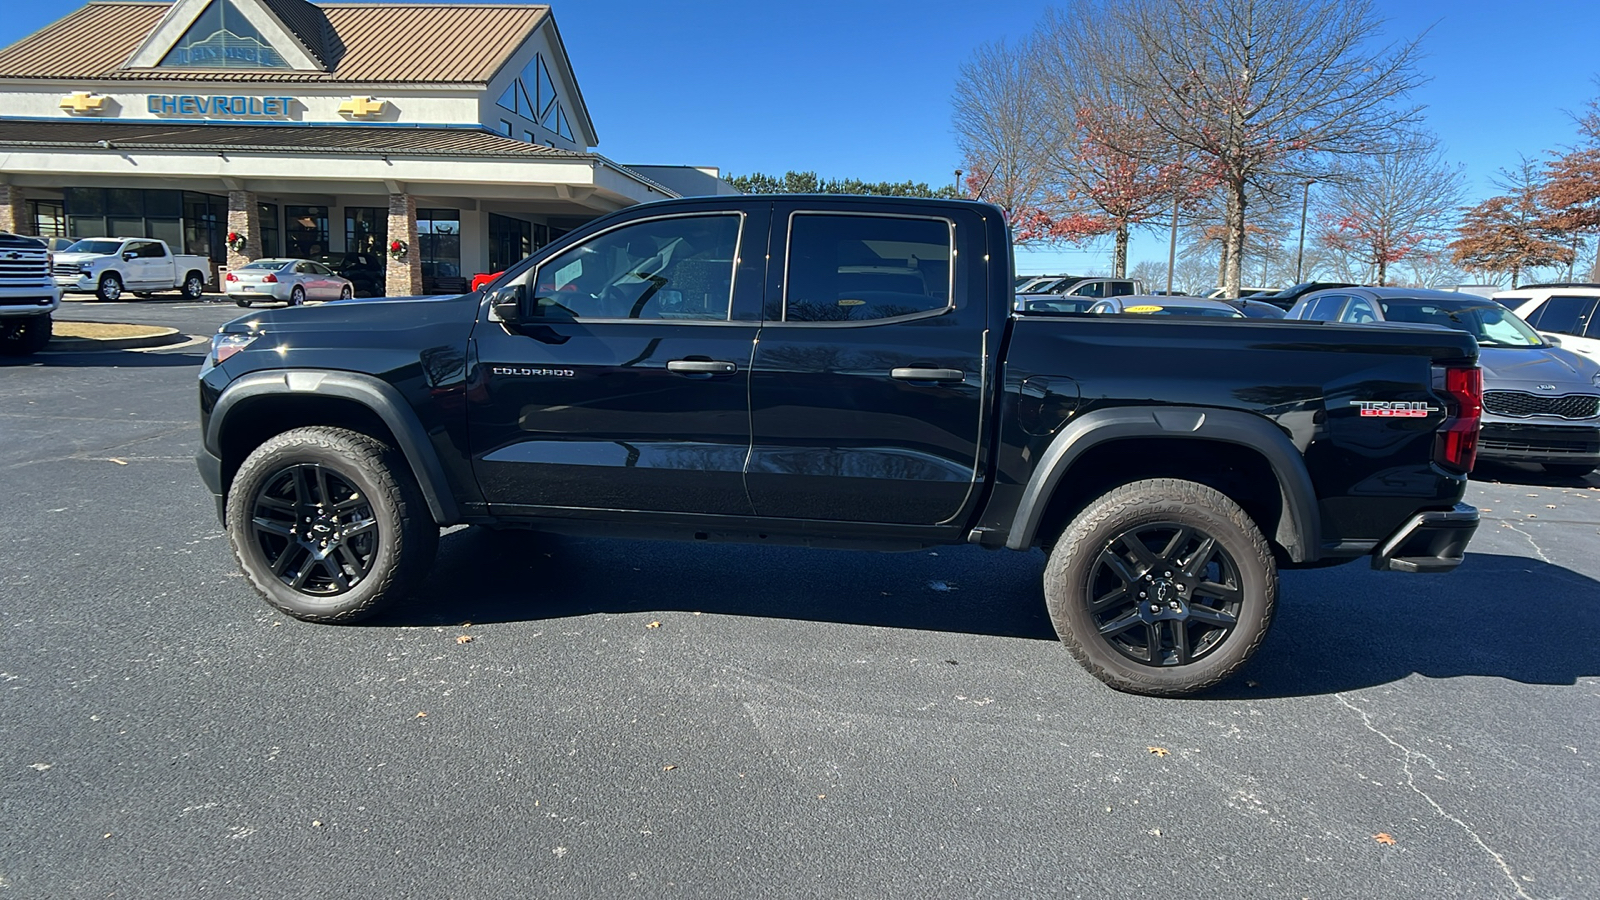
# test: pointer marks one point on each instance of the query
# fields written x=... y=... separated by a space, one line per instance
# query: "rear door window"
x=1325 y=308
x=860 y=268
x=1121 y=288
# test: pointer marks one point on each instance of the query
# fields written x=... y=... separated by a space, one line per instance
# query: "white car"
x=1565 y=314
x=291 y=281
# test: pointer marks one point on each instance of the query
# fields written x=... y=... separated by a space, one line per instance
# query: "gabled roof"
x=79 y=134
x=418 y=43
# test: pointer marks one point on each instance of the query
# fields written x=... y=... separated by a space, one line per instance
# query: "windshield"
x=102 y=248
x=1492 y=324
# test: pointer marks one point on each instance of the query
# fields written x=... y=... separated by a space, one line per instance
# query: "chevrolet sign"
x=216 y=106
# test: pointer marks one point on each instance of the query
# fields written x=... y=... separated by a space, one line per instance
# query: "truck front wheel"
x=110 y=288
x=1162 y=587
x=329 y=524
x=24 y=336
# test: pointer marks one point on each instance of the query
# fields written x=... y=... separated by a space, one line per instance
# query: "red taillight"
x=1457 y=443
x=271 y=279
x=232 y=277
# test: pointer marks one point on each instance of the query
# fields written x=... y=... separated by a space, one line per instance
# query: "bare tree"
x=1255 y=89
x=1003 y=128
x=1387 y=207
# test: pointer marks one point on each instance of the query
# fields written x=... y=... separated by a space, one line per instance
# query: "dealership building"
x=457 y=130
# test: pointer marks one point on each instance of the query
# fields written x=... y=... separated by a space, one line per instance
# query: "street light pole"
x=958 y=182
x=1172 y=244
x=1300 y=255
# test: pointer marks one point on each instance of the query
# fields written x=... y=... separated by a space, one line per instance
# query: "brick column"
x=244 y=217
x=403 y=277
x=14 y=211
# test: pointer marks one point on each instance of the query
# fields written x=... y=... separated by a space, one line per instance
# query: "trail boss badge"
x=1394 y=409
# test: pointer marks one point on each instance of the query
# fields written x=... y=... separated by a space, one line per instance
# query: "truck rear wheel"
x=110 y=288
x=1162 y=587
x=329 y=524
x=193 y=286
x=24 y=336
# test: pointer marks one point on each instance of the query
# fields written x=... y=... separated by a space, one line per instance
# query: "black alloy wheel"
x=1163 y=587
x=329 y=524
x=315 y=529
x=1165 y=594
x=24 y=335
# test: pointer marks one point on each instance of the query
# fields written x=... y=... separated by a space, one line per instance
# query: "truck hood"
x=72 y=259
x=1507 y=367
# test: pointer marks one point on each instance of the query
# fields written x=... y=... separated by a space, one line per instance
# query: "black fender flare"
x=374 y=394
x=1299 y=529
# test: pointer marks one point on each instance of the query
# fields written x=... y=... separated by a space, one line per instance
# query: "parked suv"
x=1565 y=314
x=1081 y=289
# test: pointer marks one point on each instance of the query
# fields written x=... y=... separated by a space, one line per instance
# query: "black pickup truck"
x=842 y=372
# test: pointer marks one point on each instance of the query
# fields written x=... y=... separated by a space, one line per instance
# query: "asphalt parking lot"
x=609 y=718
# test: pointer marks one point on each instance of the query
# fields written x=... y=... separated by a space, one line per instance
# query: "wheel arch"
x=262 y=404
x=1244 y=455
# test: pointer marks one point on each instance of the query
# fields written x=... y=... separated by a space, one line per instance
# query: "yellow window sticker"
x=1143 y=309
x=852 y=303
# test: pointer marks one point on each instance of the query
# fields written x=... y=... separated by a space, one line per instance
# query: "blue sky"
x=862 y=89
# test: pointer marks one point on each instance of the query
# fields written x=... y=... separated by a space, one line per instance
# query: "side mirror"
x=507 y=304
x=128 y=255
x=1550 y=339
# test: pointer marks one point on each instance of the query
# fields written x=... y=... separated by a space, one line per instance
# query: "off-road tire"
x=297 y=296
x=1568 y=470
x=407 y=536
x=24 y=336
x=1148 y=507
x=193 y=287
x=109 y=290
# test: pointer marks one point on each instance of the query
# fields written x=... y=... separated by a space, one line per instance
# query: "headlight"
x=85 y=268
x=1596 y=379
x=227 y=344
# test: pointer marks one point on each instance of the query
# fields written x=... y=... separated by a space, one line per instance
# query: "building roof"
x=300 y=139
x=418 y=43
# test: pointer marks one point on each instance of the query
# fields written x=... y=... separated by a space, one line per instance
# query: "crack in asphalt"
x=1536 y=548
x=1405 y=765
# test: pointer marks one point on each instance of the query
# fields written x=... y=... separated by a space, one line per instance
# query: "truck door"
x=868 y=386
x=628 y=387
x=153 y=267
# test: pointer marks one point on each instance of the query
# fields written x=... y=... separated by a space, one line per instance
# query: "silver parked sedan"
x=291 y=281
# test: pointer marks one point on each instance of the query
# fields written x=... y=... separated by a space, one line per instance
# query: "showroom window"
x=672 y=268
x=49 y=218
x=124 y=212
x=510 y=242
x=305 y=231
x=439 y=242
x=269 y=229
x=850 y=268
x=366 y=229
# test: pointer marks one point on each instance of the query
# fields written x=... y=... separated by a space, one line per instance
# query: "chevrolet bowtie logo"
x=83 y=103
x=363 y=107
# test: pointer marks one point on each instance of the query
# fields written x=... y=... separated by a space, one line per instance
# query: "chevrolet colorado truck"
x=110 y=267
x=27 y=295
x=842 y=372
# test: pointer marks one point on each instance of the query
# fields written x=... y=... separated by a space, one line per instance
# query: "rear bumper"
x=1540 y=443
x=1432 y=541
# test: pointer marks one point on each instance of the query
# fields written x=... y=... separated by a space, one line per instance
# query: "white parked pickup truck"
x=110 y=267
x=27 y=295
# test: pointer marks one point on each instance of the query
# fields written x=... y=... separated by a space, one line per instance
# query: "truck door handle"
x=916 y=374
x=701 y=367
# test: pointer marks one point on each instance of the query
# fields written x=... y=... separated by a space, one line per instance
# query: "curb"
x=166 y=337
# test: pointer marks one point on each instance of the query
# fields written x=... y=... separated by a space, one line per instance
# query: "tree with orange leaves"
x=1511 y=233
